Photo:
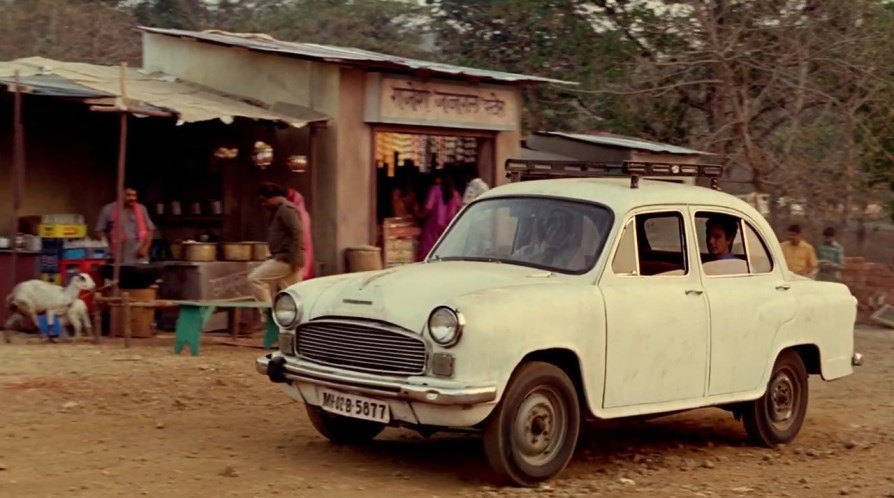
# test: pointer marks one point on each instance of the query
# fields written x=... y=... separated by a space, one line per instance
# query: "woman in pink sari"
x=441 y=205
x=298 y=200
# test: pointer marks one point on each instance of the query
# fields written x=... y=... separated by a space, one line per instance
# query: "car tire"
x=531 y=435
x=776 y=417
x=342 y=430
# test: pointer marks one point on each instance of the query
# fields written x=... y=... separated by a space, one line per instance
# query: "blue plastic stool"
x=43 y=323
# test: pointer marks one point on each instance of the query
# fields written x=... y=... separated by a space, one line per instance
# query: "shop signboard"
x=413 y=102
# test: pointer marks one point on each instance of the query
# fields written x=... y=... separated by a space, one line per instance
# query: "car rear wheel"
x=532 y=433
x=342 y=430
x=776 y=417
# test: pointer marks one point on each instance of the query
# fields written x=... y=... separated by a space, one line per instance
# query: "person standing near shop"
x=831 y=257
x=441 y=205
x=475 y=186
x=799 y=255
x=286 y=241
x=137 y=230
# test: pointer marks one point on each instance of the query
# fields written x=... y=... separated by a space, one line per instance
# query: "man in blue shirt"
x=831 y=257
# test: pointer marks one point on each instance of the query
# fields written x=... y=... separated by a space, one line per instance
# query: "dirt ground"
x=85 y=420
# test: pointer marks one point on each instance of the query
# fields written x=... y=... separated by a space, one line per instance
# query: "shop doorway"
x=407 y=163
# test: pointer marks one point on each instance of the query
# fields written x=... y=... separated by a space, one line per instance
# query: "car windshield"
x=557 y=235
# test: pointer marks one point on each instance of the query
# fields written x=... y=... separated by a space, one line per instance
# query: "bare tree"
x=790 y=92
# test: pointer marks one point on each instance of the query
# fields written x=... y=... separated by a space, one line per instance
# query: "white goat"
x=35 y=297
x=77 y=316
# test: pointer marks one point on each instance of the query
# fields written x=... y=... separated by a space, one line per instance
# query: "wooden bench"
x=192 y=316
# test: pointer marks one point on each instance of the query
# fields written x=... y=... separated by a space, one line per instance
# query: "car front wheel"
x=776 y=417
x=532 y=433
x=342 y=430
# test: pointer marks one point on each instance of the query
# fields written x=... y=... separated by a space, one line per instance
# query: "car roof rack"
x=518 y=170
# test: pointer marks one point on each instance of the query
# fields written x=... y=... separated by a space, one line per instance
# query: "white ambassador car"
x=549 y=303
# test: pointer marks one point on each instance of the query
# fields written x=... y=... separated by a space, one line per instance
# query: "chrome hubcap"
x=540 y=426
x=782 y=397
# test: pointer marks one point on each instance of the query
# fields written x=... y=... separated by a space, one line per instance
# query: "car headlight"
x=445 y=326
x=287 y=310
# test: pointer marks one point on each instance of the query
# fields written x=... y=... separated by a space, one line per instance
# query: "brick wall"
x=871 y=283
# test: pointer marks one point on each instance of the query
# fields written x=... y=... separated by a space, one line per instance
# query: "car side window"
x=759 y=260
x=652 y=244
x=624 y=262
x=730 y=246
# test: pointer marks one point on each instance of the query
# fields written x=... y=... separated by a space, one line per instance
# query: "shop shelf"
x=58 y=231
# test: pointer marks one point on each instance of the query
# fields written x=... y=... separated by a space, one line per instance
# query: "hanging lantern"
x=226 y=152
x=262 y=155
x=298 y=164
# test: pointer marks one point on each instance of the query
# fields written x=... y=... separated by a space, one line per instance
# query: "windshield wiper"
x=480 y=259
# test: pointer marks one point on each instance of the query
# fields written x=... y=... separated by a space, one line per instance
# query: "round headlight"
x=286 y=310
x=445 y=326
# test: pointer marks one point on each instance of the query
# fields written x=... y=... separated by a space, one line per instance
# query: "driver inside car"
x=555 y=246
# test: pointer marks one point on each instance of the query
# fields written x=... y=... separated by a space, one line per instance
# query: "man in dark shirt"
x=284 y=236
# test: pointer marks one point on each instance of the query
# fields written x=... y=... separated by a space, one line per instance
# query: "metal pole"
x=119 y=205
x=17 y=173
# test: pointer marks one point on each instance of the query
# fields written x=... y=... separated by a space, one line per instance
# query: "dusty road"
x=82 y=420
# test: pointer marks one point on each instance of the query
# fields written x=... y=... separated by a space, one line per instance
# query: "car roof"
x=616 y=193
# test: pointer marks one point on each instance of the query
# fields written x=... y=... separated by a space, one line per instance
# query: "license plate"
x=351 y=405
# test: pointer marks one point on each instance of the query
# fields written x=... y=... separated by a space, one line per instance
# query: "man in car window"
x=555 y=246
x=721 y=232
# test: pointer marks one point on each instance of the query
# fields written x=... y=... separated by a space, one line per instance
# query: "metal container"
x=260 y=251
x=32 y=243
x=236 y=251
x=199 y=251
x=177 y=251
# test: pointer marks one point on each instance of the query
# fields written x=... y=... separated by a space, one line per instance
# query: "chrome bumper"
x=857 y=359
x=280 y=369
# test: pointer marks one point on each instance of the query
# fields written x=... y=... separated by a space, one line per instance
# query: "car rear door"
x=748 y=305
x=656 y=313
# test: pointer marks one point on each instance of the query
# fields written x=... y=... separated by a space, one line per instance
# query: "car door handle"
x=695 y=292
x=783 y=287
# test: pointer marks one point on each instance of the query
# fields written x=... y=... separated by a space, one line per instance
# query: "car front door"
x=749 y=302
x=656 y=311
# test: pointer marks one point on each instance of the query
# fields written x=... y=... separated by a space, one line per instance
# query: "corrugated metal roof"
x=51 y=85
x=626 y=143
x=159 y=91
x=344 y=55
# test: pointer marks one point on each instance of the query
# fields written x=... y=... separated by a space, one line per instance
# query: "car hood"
x=406 y=295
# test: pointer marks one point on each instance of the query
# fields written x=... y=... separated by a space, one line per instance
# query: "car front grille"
x=362 y=345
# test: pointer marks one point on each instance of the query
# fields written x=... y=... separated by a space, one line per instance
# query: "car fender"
x=505 y=326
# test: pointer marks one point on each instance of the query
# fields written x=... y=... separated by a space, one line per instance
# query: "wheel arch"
x=569 y=362
x=810 y=355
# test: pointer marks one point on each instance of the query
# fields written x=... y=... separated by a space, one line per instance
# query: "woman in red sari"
x=298 y=200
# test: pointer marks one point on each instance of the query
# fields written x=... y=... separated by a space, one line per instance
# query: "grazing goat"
x=35 y=297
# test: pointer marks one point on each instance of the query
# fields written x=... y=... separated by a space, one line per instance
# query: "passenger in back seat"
x=721 y=232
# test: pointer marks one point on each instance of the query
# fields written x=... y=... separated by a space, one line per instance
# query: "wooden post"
x=97 y=321
x=17 y=171
x=236 y=325
x=117 y=246
x=125 y=312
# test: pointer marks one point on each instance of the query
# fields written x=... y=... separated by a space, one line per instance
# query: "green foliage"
x=553 y=38
x=96 y=31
